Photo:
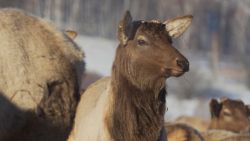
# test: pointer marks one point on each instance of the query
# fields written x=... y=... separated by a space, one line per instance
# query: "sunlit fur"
x=40 y=68
x=182 y=132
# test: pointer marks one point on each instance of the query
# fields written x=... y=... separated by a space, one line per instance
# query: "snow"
x=100 y=53
x=188 y=107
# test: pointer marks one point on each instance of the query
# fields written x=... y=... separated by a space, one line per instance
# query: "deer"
x=229 y=122
x=229 y=114
x=40 y=67
x=130 y=104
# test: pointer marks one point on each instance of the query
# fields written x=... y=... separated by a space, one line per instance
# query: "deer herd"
x=41 y=98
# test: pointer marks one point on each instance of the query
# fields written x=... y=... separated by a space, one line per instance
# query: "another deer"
x=232 y=115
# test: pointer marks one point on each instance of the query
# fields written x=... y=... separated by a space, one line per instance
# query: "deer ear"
x=215 y=108
x=177 y=26
x=124 y=28
x=71 y=34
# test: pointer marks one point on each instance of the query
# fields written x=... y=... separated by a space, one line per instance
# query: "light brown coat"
x=39 y=69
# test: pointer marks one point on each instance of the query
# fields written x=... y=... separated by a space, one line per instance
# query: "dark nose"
x=183 y=64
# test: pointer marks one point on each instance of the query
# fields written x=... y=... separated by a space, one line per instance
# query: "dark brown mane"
x=140 y=110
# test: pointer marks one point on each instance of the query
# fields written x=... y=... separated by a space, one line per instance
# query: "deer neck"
x=136 y=114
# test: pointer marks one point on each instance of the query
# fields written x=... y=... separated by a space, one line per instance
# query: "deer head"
x=229 y=114
x=148 y=44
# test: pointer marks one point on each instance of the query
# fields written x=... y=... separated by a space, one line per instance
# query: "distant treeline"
x=225 y=21
x=220 y=28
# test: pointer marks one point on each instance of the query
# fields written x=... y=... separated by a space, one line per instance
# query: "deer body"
x=92 y=113
x=40 y=68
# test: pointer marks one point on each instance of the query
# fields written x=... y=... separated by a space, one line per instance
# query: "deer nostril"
x=183 y=64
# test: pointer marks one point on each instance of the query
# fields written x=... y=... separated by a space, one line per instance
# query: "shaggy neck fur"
x=137 y=113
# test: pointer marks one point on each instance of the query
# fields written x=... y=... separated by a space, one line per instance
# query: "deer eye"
x=141 y=42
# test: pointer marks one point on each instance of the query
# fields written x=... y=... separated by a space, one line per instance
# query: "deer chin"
x=177 y=73
x=173 y=72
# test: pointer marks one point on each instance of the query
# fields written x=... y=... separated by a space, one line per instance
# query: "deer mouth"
x=173 y=72
x=177 y=73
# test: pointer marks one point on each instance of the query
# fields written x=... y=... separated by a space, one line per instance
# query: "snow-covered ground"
x=100 y=53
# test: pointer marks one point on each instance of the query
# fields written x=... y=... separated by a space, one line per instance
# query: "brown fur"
x=195 y=122
x=230 y=115
x=238 y=138
x=39 y=71
x=248 y=110
x=131 y=106
x=224 y=135
x=182 y=132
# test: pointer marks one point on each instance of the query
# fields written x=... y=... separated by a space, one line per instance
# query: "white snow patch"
x=99 y=53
